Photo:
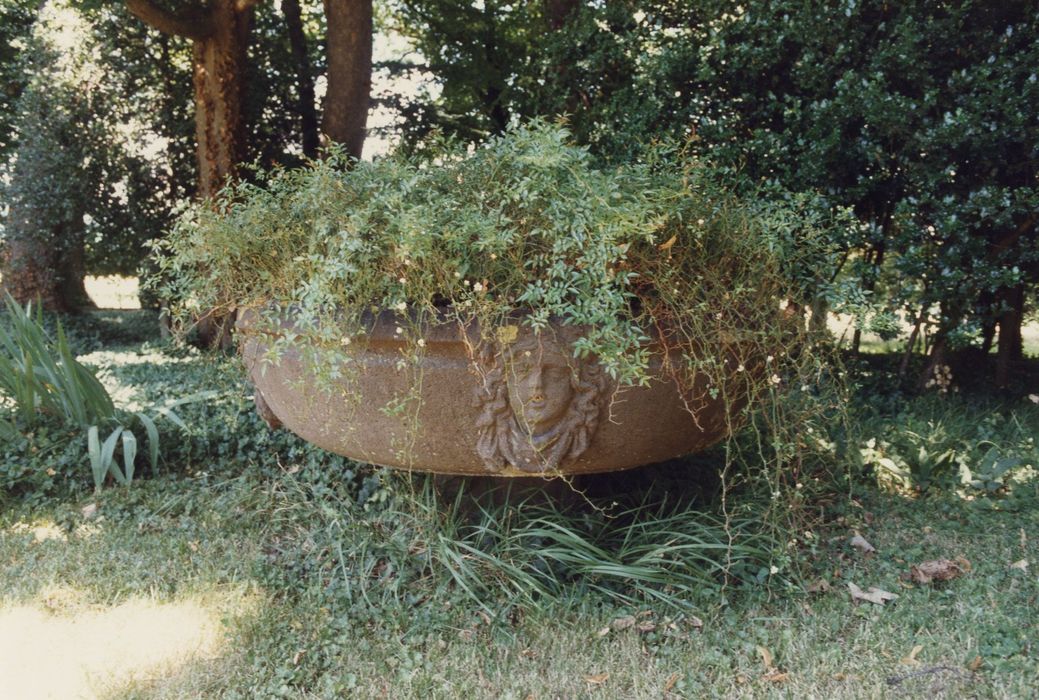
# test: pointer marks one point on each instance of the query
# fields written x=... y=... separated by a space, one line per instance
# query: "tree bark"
x=1011 y=345
x=36 y=271
x=219 y=69
x=219 y=32
x=309 y=138
x=349 y=73
x=557 y=12
x=42 y=258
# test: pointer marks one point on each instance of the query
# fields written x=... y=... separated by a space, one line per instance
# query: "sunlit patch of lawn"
x=58 y=647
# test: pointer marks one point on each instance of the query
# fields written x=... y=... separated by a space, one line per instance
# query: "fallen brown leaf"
x=646 y=627
x=873 y=595
x=622 y=623
x=671 y=680
x=766 y=658
x=911 y=659
x=667 y=244
x=774 y=676
x=604 y=631
x=975 y=663
x=597 y=679
x=1020 y=565
x=818 y=586
x=939 y=570
x=695 y=622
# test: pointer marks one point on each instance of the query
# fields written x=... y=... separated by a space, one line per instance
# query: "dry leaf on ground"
x=873 y=595
x=939 y=570
x=860 y=543
x=622 y=623
x=597 y=679
x=766 y=657
x=671 y=680
x=911 y=659
x=1020 y=565
x=818 y=586
x=695 y=622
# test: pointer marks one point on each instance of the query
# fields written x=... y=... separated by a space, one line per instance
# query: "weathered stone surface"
x=518 y=408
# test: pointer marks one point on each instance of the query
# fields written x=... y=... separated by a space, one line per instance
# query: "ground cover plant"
x=323 y=577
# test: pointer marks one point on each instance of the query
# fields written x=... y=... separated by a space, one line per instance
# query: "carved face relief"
x=540 y=406
x=540 y=388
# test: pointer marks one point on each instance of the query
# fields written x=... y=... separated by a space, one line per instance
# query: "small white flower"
x=776 y=379
x=344 y=341
x=399 y=330
x=773 y=569
x=1034 y=398
x=401 y=306
x=769 y=358
x=422 y=342
x=477 y=287
x=458 y=275
x=718 y=315
x=402 y=280
x=700 y=222
x=494 y=256
x=740 y=368
x=465 y=282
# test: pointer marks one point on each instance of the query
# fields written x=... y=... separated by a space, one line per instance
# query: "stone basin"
x=521 y=408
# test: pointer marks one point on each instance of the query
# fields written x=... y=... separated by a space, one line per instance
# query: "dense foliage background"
x=923 y=119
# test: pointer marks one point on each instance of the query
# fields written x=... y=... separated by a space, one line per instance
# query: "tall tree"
x=309 y=138
x=55 y=180
x=219 y=31
x=349 y=47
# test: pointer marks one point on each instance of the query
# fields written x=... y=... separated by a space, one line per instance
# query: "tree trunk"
x=219 y=67
x=988 y=325
x=34 y=270
x=219 y=31
x=557 y=12
x=876 y=256
x=47 y=194
x=349 y=73
x=936 y=361
x=309 y=139
x=1011 y=345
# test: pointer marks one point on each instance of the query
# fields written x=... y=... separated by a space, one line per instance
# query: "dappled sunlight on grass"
x=57 y=646
x=41 y=532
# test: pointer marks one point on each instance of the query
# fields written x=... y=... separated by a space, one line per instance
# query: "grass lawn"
x=255 y=566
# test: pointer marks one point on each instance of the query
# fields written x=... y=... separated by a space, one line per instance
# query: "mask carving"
x=539 y=405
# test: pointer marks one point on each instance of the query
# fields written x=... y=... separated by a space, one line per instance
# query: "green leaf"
x=153 y=441
x=129 y=454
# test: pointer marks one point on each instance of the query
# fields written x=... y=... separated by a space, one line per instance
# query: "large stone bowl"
x=521 y=407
